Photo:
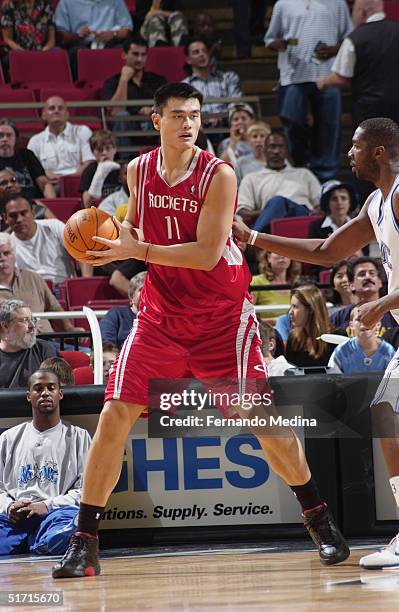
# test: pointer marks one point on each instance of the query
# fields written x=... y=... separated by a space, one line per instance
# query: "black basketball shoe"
x=81 y=558
x=326 y=535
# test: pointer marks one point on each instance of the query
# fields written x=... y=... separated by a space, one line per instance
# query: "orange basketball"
x=80 y=229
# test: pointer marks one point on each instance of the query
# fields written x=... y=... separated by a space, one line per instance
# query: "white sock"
x=394 y=482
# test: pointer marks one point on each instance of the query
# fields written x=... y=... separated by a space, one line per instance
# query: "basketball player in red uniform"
x=196 y=318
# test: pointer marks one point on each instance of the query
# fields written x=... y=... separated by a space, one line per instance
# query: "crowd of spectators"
x=281 y=173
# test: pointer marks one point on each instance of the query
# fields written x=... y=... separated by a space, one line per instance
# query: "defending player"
x=182 y=201
x=374 y=156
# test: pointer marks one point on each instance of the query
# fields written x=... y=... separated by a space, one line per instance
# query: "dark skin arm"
x=341 y=244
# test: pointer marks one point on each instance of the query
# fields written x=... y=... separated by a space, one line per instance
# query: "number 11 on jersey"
x=169 y=226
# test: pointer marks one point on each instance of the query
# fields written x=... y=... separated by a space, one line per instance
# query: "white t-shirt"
x=45 y=253
x=111 y=202
x=64 y=153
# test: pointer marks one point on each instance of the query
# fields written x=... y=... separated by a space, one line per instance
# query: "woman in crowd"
x=274 y=270
x=28 y=25
x=342 y=294
x=309 y=319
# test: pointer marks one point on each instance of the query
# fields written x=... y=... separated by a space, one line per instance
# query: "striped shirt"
x=218 y=84
x=310 y=22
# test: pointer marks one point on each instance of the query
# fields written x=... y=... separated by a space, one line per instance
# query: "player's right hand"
x=241 y=231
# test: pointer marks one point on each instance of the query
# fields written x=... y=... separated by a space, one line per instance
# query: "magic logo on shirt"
x=48 y=472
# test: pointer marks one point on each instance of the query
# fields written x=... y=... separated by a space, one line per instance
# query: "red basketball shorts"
x=202 y=347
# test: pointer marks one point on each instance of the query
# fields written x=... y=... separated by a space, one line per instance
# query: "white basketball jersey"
x=386 y=229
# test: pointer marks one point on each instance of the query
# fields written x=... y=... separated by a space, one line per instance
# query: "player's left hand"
x=35 y=508
x=371 y=313
x=124 y=247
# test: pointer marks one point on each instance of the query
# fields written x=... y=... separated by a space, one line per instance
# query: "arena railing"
x=106 y=119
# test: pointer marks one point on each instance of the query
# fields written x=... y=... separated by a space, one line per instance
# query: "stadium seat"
x=324 y=276
x=391 y=10
x=76 y=359
x=71 y=95
x=96 y=65
x=83 y=375
x=69 y=186
x=63 y=208
x=79 y=291
x=292 y=227
x=31 y=121
x=34 y=69
x=167 y=61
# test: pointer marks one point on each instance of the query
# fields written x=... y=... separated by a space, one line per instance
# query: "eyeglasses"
x=28 y=321
x=10 y=181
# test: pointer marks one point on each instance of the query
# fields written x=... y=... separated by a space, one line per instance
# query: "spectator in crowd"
x=41 y=471
x=124 y=272
x=39 y=245
x=164 y=23
x=208 y=80
x=241 y=117
x=338 y=202
x=62 y=147
x=133 y=83
x=274 y=270
x=24 y=164
x=110 y=354
x=294 y=32
x=111 y=203
x=366 y=278
x=29 y=287
x=21 y=353
x=365 y=352
x=204 y=28
x=249 y=19
x=366 y=61
x=28 y=25
x=277 y=191
x=101 y=177
x=118 y=322
x=276 y=366
x=91 y=24
x=61 y=368
x=256 y=160
x=9 y=184
x=309 y=319
x=342 y=294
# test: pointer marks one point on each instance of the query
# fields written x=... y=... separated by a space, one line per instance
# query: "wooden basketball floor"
x=283 y=577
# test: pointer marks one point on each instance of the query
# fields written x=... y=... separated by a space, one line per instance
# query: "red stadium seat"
x=292 y=227
x=167 y=61
x=69 y=186
x=96 y=65
x=35 y=69
x=324 y=276
x=63 y=208
x=32 y=122
x=76 y=359
x=84 y=375
x=71 y=95
x=131 y=5
x=391 y=9
x=79 y=291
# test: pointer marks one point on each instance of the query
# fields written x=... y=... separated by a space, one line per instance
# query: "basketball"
x=80 y=229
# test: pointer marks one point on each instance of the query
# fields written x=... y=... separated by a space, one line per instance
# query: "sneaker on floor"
x=387 y=557
x=81 y=558
x=326 y=535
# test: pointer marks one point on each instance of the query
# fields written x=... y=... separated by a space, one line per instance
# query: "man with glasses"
x=63 y=148
x=21 y=353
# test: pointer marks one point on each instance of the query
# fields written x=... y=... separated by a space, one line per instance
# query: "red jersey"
x=169 y=215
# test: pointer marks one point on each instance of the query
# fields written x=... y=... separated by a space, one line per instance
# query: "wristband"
x=252 y=237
